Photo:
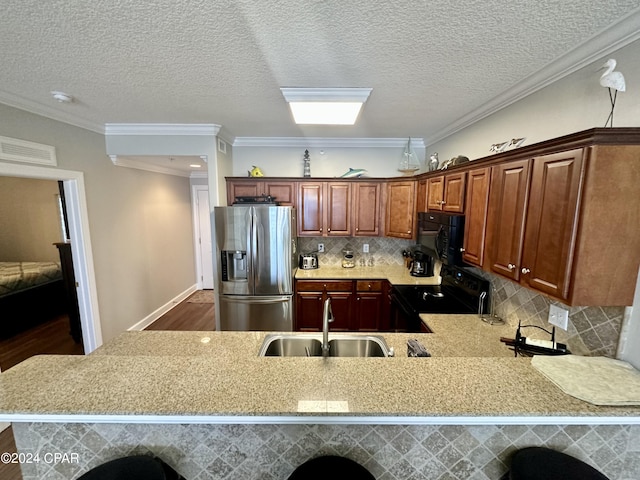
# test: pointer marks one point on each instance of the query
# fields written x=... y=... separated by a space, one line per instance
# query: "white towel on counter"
x=597 y=380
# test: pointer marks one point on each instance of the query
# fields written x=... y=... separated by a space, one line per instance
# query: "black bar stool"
x=135 y=467
x=331 y=467
x=539 y=463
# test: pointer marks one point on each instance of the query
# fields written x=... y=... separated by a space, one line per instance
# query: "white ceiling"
x=434 y=66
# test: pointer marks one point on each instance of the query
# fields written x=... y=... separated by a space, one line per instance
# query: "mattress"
x=18 y=276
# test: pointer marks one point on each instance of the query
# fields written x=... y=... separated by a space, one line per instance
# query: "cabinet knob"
x=369 y=286
x=321 y=229
x=328 y=229
x=443 y=202
x=511 y=266
x=525 y=270
x=357 y=229
x=409 y=231
x=463 y=250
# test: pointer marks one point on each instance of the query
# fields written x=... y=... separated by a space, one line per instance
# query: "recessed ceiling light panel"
x=325 y=106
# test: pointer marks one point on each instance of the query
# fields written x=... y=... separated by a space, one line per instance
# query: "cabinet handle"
x=511 y=266
x=525 y=270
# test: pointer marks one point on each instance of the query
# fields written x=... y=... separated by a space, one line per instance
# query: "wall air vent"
x=16 y=150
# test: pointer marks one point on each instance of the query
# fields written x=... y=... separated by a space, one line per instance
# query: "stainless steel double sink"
x=310 y=345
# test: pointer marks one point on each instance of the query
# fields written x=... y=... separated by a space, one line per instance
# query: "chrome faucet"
x=327 y=317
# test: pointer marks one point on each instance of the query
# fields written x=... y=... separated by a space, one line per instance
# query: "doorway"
x=73 y=185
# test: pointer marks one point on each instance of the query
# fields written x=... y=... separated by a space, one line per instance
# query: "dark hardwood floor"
x=187 y=316
x=52 y=338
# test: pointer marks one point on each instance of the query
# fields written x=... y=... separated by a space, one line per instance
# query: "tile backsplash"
x=382 y=250
x=591 y=331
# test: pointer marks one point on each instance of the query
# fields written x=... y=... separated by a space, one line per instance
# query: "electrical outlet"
x=321 y=248
x=558 y=316
x=365 y=248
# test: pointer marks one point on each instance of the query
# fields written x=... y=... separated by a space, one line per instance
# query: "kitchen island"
x=208 y=405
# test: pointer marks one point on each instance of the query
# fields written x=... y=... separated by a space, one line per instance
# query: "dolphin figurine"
x=354 y=173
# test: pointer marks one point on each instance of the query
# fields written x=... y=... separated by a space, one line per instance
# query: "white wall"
x=140 y=222
x=326 y=161
x=574 y=103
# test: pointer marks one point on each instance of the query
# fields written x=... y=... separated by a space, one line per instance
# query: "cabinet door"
x=552 y=217
x=366 y=209
x=453 y=197
x=369 y=306
x=368 y=312
x=507 y=204
x=435 y=193
x=400 y=209
x=283 y=192
x=477 y=203
x=310 y=214
x=309 y=311
x=243 y=188
x=338 y=209
x=421 y=195
x=341 y=308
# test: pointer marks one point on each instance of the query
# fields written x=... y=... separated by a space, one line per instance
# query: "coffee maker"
x=421 y=264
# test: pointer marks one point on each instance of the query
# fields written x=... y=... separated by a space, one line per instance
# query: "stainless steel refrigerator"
x=256 y=249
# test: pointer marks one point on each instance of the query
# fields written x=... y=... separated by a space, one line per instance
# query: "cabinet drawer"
x=369 y=285
x=327 y=285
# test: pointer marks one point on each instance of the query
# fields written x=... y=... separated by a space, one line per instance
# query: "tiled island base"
x=390 y=452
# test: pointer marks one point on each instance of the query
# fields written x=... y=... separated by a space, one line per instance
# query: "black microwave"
x=442 y=235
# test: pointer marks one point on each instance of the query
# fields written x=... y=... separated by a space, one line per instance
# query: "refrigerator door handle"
x=250 y=257
x=254 y=249
x=257 y=300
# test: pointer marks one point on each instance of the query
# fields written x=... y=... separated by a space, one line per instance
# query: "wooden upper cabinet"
x=324 y=209
x=242 y=188
x=310 y=209
x=400 y=212
x=366 y=209
x=446 y=192
x=552 y=217
x=435 y=192
x=422 y=195
x=533 y=216
x=505 y=229
x=338 y=208
x=283 y=191
x=477 y=205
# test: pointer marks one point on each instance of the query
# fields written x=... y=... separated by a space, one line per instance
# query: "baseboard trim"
x=155 y=315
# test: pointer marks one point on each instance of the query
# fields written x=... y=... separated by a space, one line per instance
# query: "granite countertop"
x=217 y=377
x=396 y=274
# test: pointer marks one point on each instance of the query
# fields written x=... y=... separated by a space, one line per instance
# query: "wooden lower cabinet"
x=361 y=305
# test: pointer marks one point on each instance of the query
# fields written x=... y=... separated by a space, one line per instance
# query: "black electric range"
x=460 y=292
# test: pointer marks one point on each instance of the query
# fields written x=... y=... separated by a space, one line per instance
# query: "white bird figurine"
x=612 y=80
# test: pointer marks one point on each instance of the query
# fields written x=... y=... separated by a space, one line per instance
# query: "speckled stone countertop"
x=217 y=377
x=396 y=274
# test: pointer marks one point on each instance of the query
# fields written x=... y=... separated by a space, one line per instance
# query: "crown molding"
x=326 y=142
x=205 y=129
x=149 y=167
x=52 y=112
x=607 y=41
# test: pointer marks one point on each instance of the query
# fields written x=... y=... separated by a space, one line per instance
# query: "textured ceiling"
x=430 y=64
